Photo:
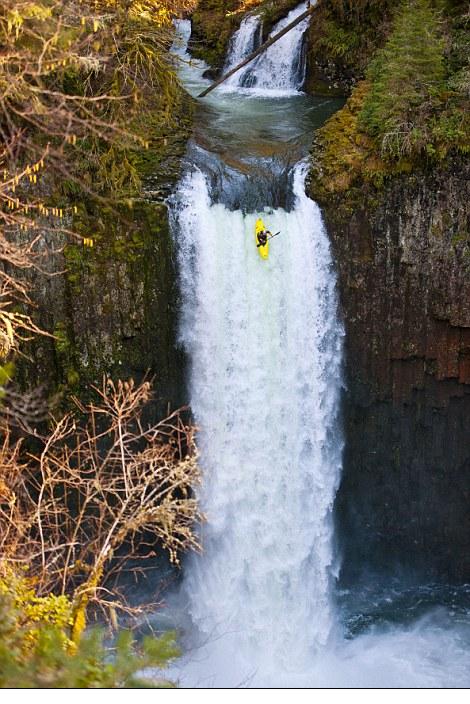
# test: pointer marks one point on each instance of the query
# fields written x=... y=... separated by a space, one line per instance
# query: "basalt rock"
x=113 y=308
x=403 y=260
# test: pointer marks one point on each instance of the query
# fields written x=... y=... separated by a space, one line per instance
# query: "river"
x=264 y=339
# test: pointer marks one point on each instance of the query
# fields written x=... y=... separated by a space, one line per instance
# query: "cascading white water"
x=265 y=347
x=280 y=69
x=242 y=43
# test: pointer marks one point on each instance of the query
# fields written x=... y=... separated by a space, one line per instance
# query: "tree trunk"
x=259 y=51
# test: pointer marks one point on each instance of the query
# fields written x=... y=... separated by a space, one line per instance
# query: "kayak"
x=264 y=250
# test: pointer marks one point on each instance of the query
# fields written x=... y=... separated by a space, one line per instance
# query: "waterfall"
x=281 y=68
x=265 y=349
x=243 y=42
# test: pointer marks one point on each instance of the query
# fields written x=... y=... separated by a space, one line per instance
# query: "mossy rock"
x=214 y=22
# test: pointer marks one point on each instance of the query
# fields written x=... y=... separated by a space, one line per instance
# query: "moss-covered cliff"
x=113 y=308
x=398 y=215
x=104 y=124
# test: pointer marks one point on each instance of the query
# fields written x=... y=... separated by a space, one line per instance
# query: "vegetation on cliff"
x=89 y=98
x=415 y=105
x=341 y=41
x=411 y=110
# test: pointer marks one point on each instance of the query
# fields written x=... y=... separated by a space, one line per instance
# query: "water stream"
x=280 y=70
x=265 y=344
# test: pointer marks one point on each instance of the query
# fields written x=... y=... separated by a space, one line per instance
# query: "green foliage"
x=339 y=41
x=36 y=650
x=408 y=71
x=411 y=109
x=6 y=373
x=66 y=354
x=343 y=37
x=34 y=612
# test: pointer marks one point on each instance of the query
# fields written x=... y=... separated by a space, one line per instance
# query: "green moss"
x=116 y=315
x=461 y=238
x=403 y=118
x=66 y=356
x=345 y=157
x=214 y=22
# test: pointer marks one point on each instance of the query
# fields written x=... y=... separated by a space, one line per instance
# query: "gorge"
x=303 y=519
x=265 y=390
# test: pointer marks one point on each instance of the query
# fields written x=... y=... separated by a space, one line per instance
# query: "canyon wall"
x=403 y=263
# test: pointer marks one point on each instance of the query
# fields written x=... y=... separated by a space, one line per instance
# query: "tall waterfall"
x=265 y=348
x=278 y=70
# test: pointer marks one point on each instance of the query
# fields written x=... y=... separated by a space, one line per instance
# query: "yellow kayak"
x=264 y=250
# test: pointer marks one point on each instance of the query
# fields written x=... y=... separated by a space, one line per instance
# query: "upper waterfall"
x=279 y=70
x=245 y=40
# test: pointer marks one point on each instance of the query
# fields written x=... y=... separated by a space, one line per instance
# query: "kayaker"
x=263 y=237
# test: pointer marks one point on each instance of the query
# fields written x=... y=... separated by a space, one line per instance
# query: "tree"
x=78 y=80
x=100 y=482
x=405 y=78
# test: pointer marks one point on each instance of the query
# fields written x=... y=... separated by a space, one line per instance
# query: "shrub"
x=36 y=649
x=102 y=487
x=407 y=80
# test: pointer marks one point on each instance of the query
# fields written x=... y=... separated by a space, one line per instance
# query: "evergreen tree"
x=406 y=76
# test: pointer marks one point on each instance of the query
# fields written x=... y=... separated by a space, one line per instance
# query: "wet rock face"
x=214 y=21
x=114 y=309
x=404 y=276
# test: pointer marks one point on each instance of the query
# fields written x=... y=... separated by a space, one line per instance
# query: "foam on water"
x=278 y=71
x=264 y=342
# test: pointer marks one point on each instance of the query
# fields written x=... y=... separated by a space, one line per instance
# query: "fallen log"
x=259 y=50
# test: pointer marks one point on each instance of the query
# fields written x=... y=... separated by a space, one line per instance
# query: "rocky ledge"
x=403 y=259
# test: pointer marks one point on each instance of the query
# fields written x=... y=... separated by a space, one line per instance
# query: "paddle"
x=269 y=238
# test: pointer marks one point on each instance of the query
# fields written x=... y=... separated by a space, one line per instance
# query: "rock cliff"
x=403 y=262
x=113 y=307
x=399 y=225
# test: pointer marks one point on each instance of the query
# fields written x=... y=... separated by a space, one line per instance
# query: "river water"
x=260 y=606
